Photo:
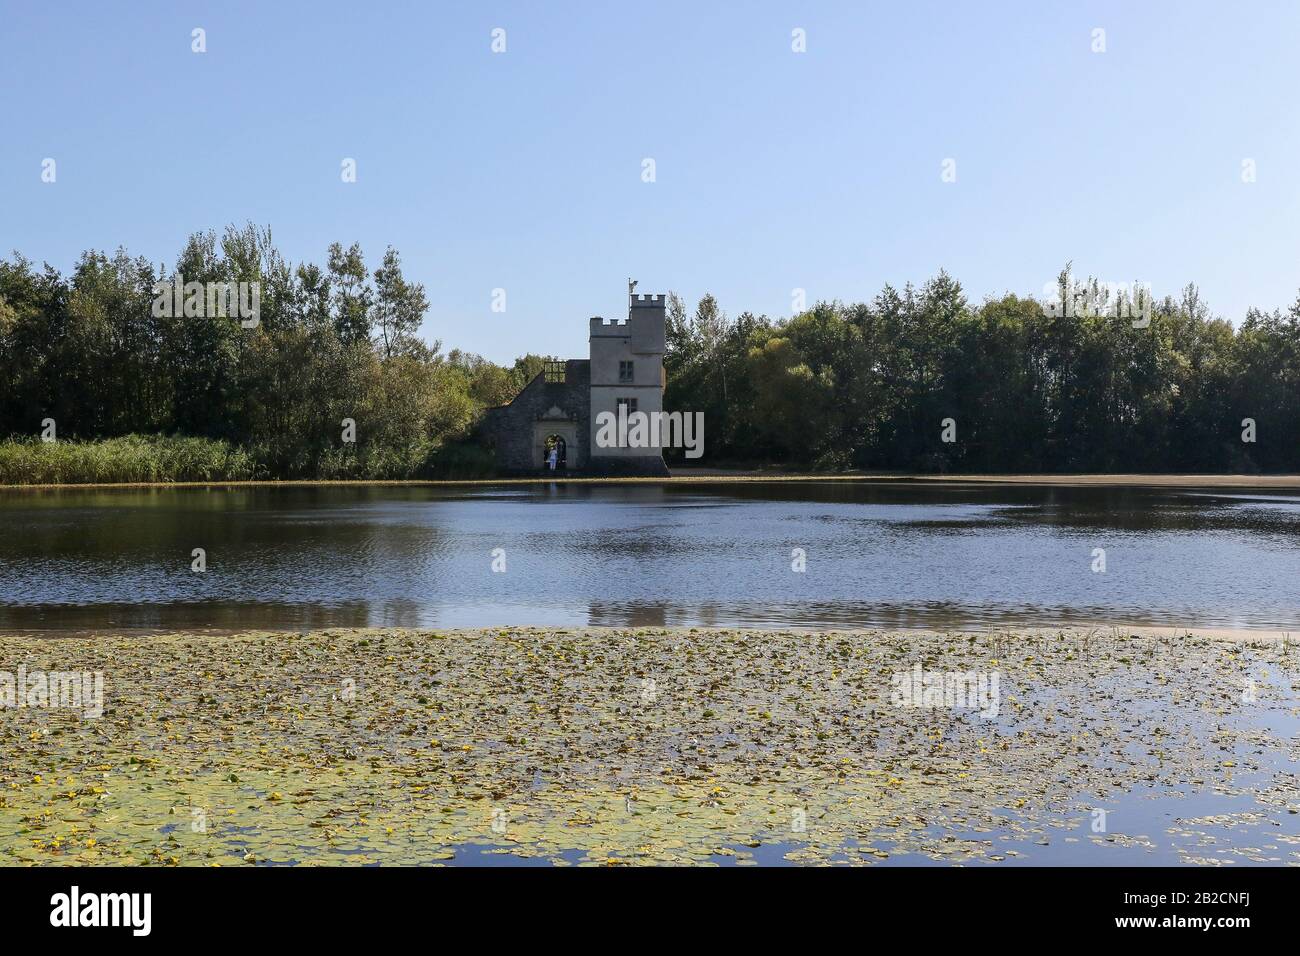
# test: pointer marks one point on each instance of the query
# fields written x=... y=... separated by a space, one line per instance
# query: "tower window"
x=555 y=372
x=629 y=402
x=625 y=371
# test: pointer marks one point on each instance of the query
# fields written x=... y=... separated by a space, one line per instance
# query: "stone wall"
x=510 y=428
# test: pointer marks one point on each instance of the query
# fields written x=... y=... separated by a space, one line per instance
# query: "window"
x=625 y=371
x=555 y=372
x=629 y=402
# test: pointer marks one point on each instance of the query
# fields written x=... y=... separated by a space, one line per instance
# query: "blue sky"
x=774 y=170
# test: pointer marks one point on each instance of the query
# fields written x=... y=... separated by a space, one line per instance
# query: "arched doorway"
x=561 y=448
x=554 y=430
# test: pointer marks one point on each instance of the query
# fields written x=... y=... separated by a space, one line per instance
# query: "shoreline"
x=683 y=476
x=621 y=746
x=1027 y=632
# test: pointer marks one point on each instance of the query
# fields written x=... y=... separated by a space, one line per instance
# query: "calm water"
x=887 y=555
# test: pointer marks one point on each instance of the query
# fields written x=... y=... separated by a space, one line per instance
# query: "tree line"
x=1027 y=385
x=330 y=343
x=1015 y=385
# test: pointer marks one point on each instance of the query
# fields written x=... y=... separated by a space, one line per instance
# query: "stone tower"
x=625 y=367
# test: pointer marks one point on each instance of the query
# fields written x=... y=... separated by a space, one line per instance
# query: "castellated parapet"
x=647 y=324
x=599 y=323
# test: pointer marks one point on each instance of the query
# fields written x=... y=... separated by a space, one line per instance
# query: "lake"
x=879 y=554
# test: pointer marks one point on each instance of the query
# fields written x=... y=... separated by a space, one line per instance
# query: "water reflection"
x=890 y=555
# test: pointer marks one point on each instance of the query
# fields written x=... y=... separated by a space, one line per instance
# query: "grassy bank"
x=130 y=459
x=1273 y=483
x=158 y=459
x=644 y=746
x=174 y=460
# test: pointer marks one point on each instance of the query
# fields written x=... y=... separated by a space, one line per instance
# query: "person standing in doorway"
x=554 y=456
